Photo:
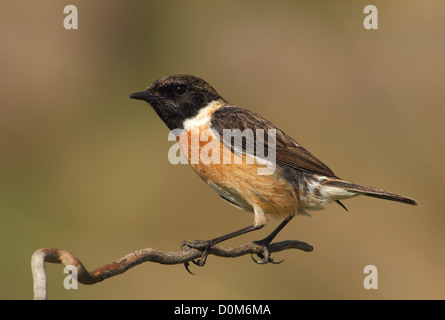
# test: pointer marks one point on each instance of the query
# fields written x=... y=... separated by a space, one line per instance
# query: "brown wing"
x=288 y=152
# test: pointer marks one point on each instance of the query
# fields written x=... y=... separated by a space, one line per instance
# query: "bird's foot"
x=201 y=245
x=265 y=255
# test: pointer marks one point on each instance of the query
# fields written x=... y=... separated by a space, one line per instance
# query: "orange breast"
x=240 y=183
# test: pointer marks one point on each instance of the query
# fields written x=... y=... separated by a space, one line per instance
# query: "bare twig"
x=132 y=259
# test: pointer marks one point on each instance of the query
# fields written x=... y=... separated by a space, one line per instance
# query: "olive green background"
x=84 y=168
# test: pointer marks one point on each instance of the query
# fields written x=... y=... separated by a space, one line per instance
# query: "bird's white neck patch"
x=203 y=116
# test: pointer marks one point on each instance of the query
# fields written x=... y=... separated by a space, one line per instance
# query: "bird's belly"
x=239 y=183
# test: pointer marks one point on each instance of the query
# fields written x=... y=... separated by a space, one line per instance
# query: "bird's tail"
x=369 y=191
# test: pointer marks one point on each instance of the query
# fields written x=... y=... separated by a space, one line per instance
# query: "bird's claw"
x=201 y=245
x=186 y=266
x=265 y=255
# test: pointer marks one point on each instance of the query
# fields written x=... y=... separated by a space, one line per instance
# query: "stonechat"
x=298 y=183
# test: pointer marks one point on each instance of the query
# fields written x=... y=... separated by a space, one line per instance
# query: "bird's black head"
x=178 y=97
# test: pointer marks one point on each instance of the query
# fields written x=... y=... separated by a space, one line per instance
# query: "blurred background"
x=84 y=168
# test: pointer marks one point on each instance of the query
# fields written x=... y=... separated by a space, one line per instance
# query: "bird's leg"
x=205 y=245
x=265 y=256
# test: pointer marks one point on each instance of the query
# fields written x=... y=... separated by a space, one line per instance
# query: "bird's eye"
x=180 y=90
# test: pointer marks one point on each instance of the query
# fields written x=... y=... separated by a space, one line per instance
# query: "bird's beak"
x=144 y=95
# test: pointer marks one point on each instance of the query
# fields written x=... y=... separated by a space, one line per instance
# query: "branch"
x=137 y=257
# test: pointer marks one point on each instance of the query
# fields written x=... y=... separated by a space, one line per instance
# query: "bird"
x=297 y=184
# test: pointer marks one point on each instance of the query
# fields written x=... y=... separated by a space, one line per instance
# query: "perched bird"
x=297 y=184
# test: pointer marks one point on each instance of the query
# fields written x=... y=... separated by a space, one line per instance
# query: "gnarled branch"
x=132 y=259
